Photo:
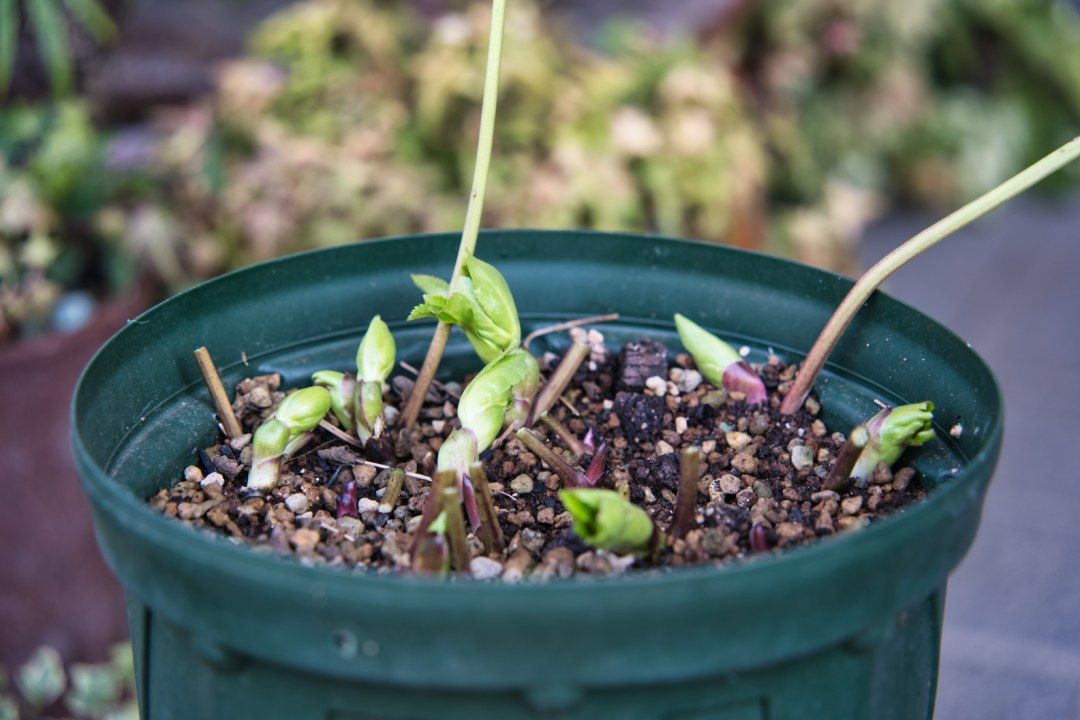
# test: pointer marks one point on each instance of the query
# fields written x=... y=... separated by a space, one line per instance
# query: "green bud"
x=375 y=356
x=486 y=399
x=720 y=363
x=605 y=520
x=277 y=437
x=341 y=387
x=481 y=305
x=711 y=354
x=892 y=431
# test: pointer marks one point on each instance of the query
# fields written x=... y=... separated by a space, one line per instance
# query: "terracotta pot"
x=54 y=587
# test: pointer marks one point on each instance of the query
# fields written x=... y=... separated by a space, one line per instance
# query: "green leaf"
x=423 y=310
x=302 y=410
x=51 y=34
x=9 y=28
x=41 y=681
x=893 y=430
x=94 y=18
x=431 y=285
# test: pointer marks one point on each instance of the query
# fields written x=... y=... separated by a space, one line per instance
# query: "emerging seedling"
x=719 y=362
x=607 y=521
x=374 y=361
x=486 y=404
x=283 y=433
x=892 y=431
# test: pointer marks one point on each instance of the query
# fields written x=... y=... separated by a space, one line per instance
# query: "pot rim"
x=220 y=554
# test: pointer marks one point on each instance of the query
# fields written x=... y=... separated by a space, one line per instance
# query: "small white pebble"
x=365 y=505
x=193 y=474
x=708 y=446
x=673 y=389
x=484 y=568
x=737 y=440
x=680 y=425
x=596 y=337
x=213 y=478
x=298 y=503
x=663 y=448
x=956 y=430
x=608 y=404
x=438 y=425
x=744 y=351
x=802 y=457
x=657 y=385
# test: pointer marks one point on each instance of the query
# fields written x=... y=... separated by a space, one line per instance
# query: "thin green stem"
x=869 y=282
x=475 y=210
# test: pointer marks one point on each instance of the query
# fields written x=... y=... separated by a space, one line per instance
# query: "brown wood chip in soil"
x=749 y=478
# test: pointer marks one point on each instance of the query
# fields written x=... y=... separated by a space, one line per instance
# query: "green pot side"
x=845 y=628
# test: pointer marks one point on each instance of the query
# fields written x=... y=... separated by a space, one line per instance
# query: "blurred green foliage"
x=787 y=127
x=103 y=691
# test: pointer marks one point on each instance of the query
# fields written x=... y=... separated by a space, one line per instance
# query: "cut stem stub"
x=869 y=282
x=217 y=393
x=686 y=499
x=840 y=474
x=559 y=380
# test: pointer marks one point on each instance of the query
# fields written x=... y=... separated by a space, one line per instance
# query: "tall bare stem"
x=475 y=210
x=869 y=282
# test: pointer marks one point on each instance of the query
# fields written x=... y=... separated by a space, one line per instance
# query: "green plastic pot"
x=845 y=628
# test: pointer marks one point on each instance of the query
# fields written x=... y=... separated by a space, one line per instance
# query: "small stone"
x=759 y=424
x=304 y=540
x=657 y=385
x=824 y=523
x=737 y=440
x=802 y=457
x=213 y=478
x=708 y=446
x=193 y=474
x=714 y=398
x=484 y=568
x=557 y=563
x=812 y=405
x=761 y=489
x=689 y=381
x=729 y=484
x=531 y=540
x=789 y=531
x=822 y=495
x=240 y=442
x=545 y=516
x=882 y=474
x=367 y=505
x=518 y=566
x=260 y=397
x=522 y=484
x=851 y=505
x=818 y=428
x=746 y=497
x=298 y=503
x=681 y=425
x=902 y=479
x=956 y=430
x=744 y=462
x=663 y=448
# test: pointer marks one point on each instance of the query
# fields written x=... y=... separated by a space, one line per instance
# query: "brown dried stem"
x=393 y=488
x=569 y=324
x=217 y=393
x=576 y=446
x=426 y=376
x=491 y=533
x=565 y=471
x=450 y=503
x=686 y=500
x=559 y=380
x=840 y=474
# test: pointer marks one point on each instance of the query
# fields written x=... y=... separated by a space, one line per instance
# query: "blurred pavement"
x=1009 y=286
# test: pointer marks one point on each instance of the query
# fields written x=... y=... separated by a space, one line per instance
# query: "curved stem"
x=869 y=282
x=474 y=212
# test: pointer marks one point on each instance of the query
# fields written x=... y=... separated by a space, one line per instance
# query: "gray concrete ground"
x=1009 y=286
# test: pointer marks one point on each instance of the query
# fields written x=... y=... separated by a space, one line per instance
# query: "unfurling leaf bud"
x=374 y=362
x=375 y=356
x=279 y=435
x=605 y=520
x=341 y=387
x=719 y=362
x=481 y=305
x=892 y=431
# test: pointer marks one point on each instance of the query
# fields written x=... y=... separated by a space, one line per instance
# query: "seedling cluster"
x=507 y=398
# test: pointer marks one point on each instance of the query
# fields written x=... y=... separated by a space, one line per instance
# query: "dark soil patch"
x=752 y=496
